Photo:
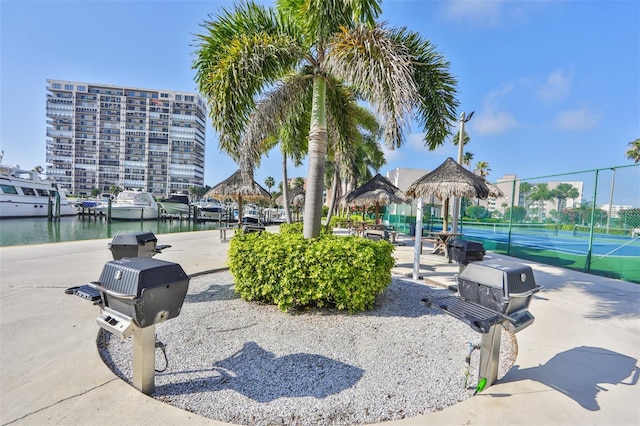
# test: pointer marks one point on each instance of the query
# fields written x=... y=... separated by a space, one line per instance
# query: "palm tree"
x=541 y=193
x=563 y=192
x=482 y=169
x=261 y=68
x=525 y=189
x=269 y=182
x=467 y=158
x=633 y=153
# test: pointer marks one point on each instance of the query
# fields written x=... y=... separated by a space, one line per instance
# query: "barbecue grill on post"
x=493 y=294
x=135 y=244
x=137 y=293
x=463 y=252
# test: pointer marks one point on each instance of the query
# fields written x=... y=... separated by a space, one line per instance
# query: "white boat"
x=214 y=210
x=93 y=202
x=175 y=204
x=251 y=215
x=132 y=205
x=23 y=193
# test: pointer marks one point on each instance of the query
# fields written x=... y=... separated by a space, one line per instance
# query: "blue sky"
x=555 y=85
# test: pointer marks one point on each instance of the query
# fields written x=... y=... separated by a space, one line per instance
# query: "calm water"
x=39 y=230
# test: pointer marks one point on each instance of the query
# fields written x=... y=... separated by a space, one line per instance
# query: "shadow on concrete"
x=579 y=372
x=258 y=374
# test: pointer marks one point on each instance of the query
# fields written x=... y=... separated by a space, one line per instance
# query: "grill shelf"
x=477 y=317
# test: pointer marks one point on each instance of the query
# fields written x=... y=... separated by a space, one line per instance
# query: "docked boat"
x=251 y=215
x=214 y=210
x=99 y=200
x=175 y=204
x=23 y=193
x=132 y=205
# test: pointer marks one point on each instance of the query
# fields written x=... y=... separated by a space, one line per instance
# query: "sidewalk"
x=577 y=364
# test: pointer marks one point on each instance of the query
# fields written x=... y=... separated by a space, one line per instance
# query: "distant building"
x=103 y=136
x=615 y=209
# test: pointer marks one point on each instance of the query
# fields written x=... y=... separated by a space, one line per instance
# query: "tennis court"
x=616 y=256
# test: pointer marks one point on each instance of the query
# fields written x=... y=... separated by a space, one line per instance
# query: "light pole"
x=456 y=200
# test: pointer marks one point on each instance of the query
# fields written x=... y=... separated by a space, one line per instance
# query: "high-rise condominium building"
x=103 y=136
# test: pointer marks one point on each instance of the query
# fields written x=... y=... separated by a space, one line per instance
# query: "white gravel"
x=251 y=364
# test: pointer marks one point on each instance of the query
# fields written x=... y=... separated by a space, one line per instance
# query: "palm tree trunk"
x=317 y=155
x=334 y=195
x=285 y=190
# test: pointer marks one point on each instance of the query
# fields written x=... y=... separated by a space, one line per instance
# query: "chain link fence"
x=586 y=221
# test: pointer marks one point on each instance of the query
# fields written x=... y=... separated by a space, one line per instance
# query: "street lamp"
x=456 y=200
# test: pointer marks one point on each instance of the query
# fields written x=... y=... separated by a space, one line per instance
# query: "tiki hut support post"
x=418 y=241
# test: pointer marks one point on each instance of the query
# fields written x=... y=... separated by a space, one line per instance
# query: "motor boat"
x=99 y=200
x=214 y=210
x=23 y=193
x=175 y=204
x=251 y=214
x=132 y=205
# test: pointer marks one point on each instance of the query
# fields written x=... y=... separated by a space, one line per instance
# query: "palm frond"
x=436 y=103
x=380 y=68
x=241 y=53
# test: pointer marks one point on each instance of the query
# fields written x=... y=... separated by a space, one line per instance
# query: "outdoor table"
x=440 y=240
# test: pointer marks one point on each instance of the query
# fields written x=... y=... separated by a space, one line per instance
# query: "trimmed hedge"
x=290 y=271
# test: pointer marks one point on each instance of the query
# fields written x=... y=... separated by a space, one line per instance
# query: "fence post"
x=513 y=195
x=587 y=263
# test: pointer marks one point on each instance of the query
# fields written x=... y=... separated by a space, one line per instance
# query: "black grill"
x=464 y=252
x=135 y=244
x=147 y=290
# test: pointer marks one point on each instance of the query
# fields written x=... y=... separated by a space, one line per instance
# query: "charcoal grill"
x=492 y=294
x=135 y=244
x=137 y=293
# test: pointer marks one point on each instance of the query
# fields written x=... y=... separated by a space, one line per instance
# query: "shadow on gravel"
x=260 y=375
x=402 y=299
x=211 y=293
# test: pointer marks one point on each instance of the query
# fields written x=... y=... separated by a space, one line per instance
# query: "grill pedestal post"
x=490 y=355
x=144 y=359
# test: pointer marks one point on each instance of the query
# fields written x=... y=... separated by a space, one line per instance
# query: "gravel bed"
x=251 y=364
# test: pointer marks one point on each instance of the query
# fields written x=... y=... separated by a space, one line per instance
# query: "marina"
x=14 y=232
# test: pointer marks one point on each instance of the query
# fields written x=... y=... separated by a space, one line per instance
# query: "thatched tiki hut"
x=378 y=191
x=239 y=186
x=450 y=179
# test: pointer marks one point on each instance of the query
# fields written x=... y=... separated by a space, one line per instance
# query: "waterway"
x=38 y=230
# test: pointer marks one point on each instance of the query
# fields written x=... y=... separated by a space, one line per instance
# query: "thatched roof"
x=296 y=197
x=494 y=191
x=450 y=179
x=238 y=185
x=377 y=190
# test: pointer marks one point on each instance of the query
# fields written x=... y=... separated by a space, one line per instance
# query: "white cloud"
x=479 y=11
x=487 y=13
x=556 y=87
x=491 y=120
x=577 y=120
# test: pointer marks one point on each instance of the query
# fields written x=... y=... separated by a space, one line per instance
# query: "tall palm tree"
x=467 y=158
x=562 y=193
x=525 y=190
x=633 y=153
x=259 y=67
x=482 y=169
x=541 y=193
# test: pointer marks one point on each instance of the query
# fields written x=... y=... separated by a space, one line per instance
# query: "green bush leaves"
x=290 y=271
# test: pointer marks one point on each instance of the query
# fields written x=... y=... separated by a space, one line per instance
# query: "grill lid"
x=133 y=238
x=132 y=275
x=512 y=277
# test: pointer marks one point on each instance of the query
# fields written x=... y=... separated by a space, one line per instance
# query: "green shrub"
x=290 y=271
x=298 y=228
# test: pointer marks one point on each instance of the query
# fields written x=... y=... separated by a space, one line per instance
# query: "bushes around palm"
x=287 y=270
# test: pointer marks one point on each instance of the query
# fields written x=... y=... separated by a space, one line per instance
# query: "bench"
x=223 y=233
